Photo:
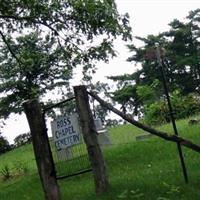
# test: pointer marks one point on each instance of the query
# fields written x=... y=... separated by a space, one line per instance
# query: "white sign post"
x=66 y=133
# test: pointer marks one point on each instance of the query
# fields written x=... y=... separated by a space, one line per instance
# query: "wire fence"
x=68 y=161
x=72 y=160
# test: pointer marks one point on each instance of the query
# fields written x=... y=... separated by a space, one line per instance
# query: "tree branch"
x=29 y=19
x=15 y=17
x=172 y=138
x=10 y=48
x=43 y=23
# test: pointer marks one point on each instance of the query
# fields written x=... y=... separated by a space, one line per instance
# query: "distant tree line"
x=19 y=140
x=22 y=139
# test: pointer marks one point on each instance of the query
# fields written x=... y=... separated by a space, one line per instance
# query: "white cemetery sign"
x=66 y=131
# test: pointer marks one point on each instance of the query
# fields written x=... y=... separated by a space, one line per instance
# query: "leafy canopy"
x=42 y=41
x=181 y=58
x=75 y=24
x=41 y=69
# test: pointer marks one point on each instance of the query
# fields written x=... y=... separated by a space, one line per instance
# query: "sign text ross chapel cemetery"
x=66 y=131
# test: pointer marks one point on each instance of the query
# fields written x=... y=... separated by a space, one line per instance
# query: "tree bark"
x=166 y=136
x=90 y=138
x=42 y=149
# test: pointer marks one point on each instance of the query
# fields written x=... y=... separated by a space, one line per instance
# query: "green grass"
x=22 y=156
x=148 y=169
x=124 y=134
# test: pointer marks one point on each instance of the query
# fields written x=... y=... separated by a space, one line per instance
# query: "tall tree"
x=74 y=31
x=85 y=30
x=183 y=53
x=64 y=34
x=181 y=57
x=42 y=69
x=126 y=94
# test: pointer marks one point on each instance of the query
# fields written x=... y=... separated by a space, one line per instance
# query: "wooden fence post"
x=90 y=138
x=42 y=149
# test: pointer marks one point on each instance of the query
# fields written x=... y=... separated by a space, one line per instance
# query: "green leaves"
x=44 y=40
x=41 y=69
x=180 y=54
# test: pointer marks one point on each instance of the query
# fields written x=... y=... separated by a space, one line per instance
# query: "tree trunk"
x=90 y=138
x=42 y=149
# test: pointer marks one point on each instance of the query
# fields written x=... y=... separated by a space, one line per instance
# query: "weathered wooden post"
x=42 y=149
x=90 y=138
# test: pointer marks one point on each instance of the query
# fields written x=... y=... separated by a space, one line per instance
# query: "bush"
x=183 y=106
x=5 y=172
x=4 y=145
x=156 y=113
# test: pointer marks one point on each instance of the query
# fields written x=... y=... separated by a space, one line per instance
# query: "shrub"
x=5 y=172
x=183 y=106
x=4 y=145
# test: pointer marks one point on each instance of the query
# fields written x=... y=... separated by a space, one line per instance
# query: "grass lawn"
x=148 y=169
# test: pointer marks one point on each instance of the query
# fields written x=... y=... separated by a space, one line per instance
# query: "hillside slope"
x=148 y=169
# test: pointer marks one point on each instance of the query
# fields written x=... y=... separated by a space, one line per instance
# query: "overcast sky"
x=146 y=17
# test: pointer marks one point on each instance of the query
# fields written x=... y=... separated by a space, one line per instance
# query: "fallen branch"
x=128 y=118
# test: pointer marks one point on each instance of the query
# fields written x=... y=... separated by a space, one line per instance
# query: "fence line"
x=128 y=118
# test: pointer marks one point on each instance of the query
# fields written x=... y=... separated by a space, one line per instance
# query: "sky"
x=146 y=17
